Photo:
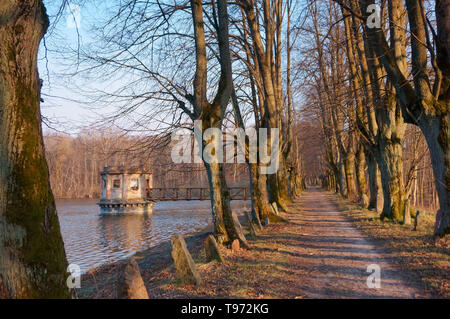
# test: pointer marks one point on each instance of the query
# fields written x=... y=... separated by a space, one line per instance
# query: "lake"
x=91 y=240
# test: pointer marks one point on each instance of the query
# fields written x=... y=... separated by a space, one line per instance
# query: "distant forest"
x=76 y=162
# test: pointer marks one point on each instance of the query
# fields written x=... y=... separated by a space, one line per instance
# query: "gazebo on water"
x=124 y=190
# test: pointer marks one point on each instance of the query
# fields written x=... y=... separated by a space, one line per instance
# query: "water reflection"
x=91 y=240
x=123 y=233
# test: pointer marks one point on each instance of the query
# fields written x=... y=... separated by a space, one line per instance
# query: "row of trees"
x=417 y=168
x=242 y=78
x=373 y=72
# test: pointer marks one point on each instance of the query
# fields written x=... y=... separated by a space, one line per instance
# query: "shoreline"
x=100 y=282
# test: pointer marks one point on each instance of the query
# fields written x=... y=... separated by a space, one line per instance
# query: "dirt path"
x=319 y=253
x=331 y=255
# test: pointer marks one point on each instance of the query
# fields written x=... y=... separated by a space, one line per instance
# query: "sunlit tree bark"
x=423 y=104
x=32 y=258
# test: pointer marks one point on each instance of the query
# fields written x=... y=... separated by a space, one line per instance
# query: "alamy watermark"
x=74 y=280
x=374 y=18
x=186 y=147
x=374 y=279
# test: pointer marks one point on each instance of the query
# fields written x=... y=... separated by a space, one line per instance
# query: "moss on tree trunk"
x=391 y=168
x=32 y=257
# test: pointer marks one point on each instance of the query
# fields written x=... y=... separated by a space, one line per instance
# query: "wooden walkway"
x=192 y=193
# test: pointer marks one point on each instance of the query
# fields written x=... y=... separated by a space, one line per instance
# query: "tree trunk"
x=361 y=176
x=256 y=198
x=341 y=180
x=390 y=161
x=32 y=257
x=224 y=227
x=262 y=204
x=373 y=185
x=437 y=136
x=278 y=187
x=349 y=165
x=278 y=190
x=212 y=114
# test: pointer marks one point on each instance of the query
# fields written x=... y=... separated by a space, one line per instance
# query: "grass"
x=240 y=276
x=279 y=264
x=420 y=252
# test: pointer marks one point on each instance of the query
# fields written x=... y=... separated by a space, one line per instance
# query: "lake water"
x=91 y=240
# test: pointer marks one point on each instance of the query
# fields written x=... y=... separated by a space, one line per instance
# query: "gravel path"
x=331 y=255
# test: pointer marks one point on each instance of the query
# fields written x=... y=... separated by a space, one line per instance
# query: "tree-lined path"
x=331 y=255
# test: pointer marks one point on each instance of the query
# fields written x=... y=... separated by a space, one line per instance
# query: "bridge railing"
x=192 y=193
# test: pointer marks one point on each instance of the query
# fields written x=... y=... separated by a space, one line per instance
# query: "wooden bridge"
x=192 y=193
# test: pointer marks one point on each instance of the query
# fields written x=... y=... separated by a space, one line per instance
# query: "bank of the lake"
x=92 y=240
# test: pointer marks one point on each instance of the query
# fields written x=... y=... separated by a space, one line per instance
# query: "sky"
x=64 y=109
x=61 y=109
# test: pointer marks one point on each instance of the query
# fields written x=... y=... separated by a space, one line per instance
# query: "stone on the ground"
x=238 y=228
x=236 y=222
x=406 y=214
x=266 y=222
x=250 y=224
x=184 y=264
x=275 y=208
x=365 y=201
x=130 y=284
x=255 y=219
x=212 y=250
x=235 y=245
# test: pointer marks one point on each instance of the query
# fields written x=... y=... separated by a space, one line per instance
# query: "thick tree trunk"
x=278 y=187
x=295 y=181
x=341 y=180
x=390 y=161
x=32 y=257
x=258 y=199
x=283 y=180
x=212 y=114
x=225 y=229
x=361 y=176
x=437 y=135
x=262 y=204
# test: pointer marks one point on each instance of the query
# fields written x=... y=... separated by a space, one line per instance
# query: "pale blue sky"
x=64 y=108
x=61 y=106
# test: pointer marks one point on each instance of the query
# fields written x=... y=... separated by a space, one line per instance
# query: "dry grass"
x=287 y=260
x=421 y=253
x=256 y=273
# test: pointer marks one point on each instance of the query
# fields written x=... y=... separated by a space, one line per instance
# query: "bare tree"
x=424 y=103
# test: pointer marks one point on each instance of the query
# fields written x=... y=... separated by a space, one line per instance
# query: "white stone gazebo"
x=124 y=190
